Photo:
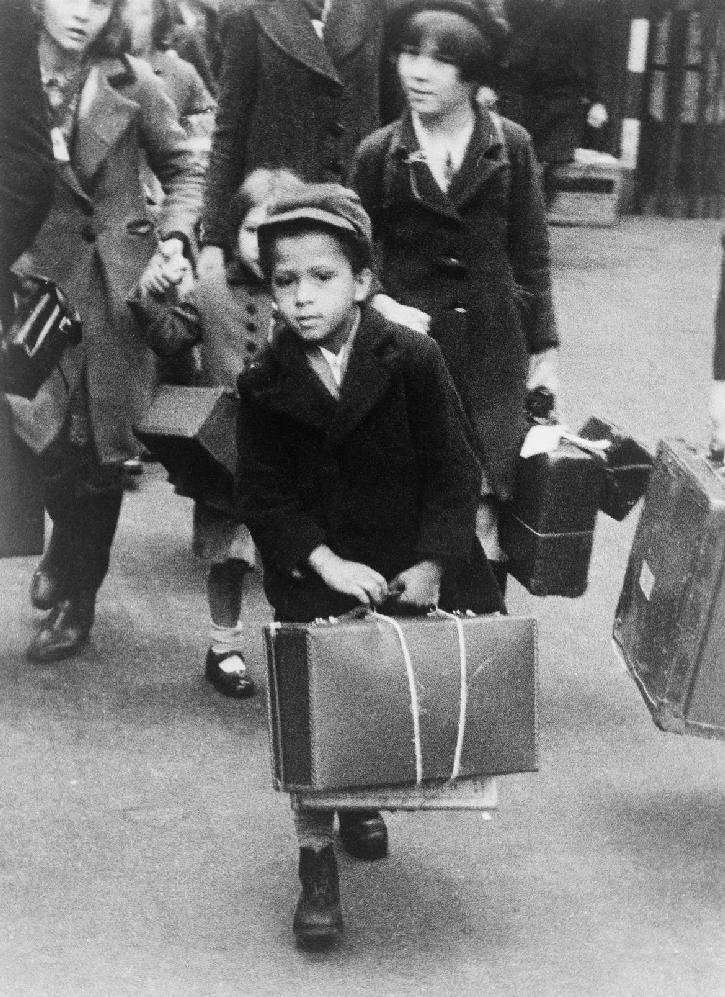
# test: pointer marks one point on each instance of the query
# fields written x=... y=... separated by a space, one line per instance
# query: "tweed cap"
x=327 y=204
x=488 y=16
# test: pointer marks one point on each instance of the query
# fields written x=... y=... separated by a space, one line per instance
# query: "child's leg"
x=225 y=667
x=318 y=917
x=487 y=533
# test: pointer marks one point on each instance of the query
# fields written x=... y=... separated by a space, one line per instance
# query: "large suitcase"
x=22 y=516
x=547 y=530
x=670 y=621
x=378 y=702
x=193 y=433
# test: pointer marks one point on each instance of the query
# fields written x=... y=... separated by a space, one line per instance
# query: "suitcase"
x=670 y=622
x=193 y=433
x=627 y=465
x=22 y=516
x=348 y=710
x=547 y=530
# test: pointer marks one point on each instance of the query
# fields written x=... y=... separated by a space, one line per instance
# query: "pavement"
x=144 y=852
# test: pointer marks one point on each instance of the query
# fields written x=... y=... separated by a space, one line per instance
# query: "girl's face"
x=73 y=25
x=247 y=245
x=429 y=74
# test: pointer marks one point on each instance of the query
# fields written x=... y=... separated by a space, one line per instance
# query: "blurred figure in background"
x=196 y=38
x=151 y=24
x=550 y=85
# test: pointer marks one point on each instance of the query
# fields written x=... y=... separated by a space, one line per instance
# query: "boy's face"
x=315 y=287
x=247 y=243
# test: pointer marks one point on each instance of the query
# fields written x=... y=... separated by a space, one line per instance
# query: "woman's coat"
x=96 y=242
x=476 y=259
x=286 y=99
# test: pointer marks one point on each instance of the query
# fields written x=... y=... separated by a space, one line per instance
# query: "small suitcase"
x=670 y=621
x=547 y=530
x=627 y=465
x=416 y=701
x=193 y=433
x=22 y=516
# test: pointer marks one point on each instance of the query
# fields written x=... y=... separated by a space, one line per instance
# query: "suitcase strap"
x=414 y=704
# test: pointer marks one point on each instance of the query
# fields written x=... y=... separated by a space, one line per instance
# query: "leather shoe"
x=233 y=682
x=64 y=632
x=45 y=588
x=363 y=834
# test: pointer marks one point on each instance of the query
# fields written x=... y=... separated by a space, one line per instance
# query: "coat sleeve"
x=528 y=243
x=267 y=497
x=450 y=473
x=170 y=156
x=237 y=94
x=27 y=168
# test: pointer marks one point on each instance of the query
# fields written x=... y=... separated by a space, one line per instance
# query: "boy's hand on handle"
x=717 y=415
x=417 y=587
x=349 y=577
x=393 y=311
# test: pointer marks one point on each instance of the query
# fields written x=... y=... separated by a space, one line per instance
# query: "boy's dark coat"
x=288 y=100
x=385 y=476
x=477 y=260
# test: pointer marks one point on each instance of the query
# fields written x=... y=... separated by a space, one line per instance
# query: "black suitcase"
x=193 y=433
x=670 y=621
x=22 y=516
x=627 y=465
x=547 y=530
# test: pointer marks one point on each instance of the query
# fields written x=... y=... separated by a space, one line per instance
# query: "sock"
x=227 y=640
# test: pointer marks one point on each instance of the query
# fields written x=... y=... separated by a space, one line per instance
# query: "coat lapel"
x=288 y=26
x=368 y=374
x=103 y=115
x=294 y=388
x=485 y=156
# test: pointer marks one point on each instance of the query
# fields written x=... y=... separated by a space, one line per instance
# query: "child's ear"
x=363 y=282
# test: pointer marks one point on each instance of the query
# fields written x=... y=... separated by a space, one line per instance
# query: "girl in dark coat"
x=97 y=243
x=458 y=215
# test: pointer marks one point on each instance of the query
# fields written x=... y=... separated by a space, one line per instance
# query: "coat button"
x=88 y=233
x=337 y=129
x=251 y=326
x=251 y=308
x=251 y=345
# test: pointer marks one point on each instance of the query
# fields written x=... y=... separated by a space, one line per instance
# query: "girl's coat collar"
x=485 y=156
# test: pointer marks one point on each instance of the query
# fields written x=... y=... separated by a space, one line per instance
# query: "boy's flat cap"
x=328 y=204
x=488 y=16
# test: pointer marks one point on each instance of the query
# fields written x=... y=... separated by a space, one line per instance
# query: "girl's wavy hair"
x=114 y=40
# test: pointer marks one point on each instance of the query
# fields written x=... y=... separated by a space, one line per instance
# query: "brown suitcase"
x=22 y=516
x=670 y=622
x=547 y=530
x=193 y=433
x=345 y=711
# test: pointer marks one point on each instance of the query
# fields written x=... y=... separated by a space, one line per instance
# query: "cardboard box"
x=670 y=621
x=347 y=711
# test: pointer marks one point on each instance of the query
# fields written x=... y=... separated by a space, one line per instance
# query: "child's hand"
x=164 y=268
x=542 y=371
x=417 y=587
x=392 y=310
x=349 y=577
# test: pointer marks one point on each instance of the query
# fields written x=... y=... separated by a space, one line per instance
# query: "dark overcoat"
x=288 y=100
x=96 y=242
x=384 y=476
x=476 y=259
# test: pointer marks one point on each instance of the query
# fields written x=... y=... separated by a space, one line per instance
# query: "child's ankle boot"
x=318 y=917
